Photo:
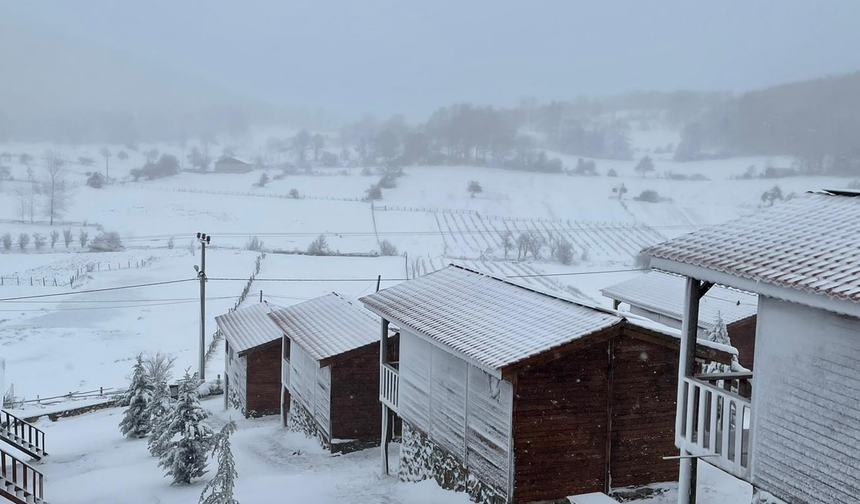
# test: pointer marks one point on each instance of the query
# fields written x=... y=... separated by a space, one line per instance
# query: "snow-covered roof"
x=810 y=243
x=656 y=327
x=489 y=320
x=663 y=293
x=233 y=160
x=249 y=327
x=328 y=326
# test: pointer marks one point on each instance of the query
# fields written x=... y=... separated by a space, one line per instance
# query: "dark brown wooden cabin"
x=252 y=367
x=515 y=395
x=659 y=296
x=330 y=386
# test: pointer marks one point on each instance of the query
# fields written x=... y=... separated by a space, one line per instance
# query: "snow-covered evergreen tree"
x=187 y=439
x=719 y=333
x=219 y=490
x=135 y=422
x=159 y=416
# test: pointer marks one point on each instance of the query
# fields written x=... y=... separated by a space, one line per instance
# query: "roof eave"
x=836 y=305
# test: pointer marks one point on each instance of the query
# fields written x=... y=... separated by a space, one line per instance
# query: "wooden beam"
x=687 y=473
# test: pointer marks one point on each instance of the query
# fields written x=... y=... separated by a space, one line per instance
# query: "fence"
x=242 y=193
x=395 y=208
x=101 y=392
x=45 y=281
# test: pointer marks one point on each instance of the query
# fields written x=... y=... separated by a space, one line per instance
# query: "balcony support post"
x=383 y=360
x=686 y=367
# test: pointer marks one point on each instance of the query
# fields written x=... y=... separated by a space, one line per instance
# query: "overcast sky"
x=351 y=56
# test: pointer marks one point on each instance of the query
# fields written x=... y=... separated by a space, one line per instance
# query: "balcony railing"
x=285 y=373
x=18 y=479
x=389 y=385
x=714 y=420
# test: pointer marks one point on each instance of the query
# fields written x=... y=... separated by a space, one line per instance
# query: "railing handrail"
x=718 y=390
x=389 y=367
x=389 y=384
x=745 y=375
x=33 y=479
x=7 y=425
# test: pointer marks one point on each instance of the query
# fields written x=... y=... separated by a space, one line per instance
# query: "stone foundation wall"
x=299 y=419
x=421 y=458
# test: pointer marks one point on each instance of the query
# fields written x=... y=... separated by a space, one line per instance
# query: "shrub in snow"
x=23 y=240
x=106 y=242
x=67 y=237
x=612 y=173
x=219 y=490
x=254 y=244
x=135 y=421
x=374 y=193
x=83 y=237
x=387 y=248
x=264 y=179
x=564 y=252
x=294 y=193
x=7 y=241
x=187 y=439
x=55 y=235
x=170 y=243
x=474 y=188
x=650 y=196
x=96 y=180
x=770 y=196
x=319 y=246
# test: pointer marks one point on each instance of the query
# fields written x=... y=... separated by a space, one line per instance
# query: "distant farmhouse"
x=515 y=395
x=660 y=297
x=253 y=360
x=232 y=165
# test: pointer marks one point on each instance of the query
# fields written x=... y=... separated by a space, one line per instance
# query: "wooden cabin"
x=252 y=366
x=659 y=296
x=515 y=395
x=795 y=436
x=232 y=165
x=330 y=379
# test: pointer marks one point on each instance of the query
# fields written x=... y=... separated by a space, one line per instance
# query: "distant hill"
x=56 y=88
x=818 y=121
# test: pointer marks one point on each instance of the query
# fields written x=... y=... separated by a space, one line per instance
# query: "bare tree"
x=67 y=237
x=83 y=237
x=23 y=240
x=507 y=242
x=55 y=235
x=7 y=241
x=38 y=240
x=54 y=186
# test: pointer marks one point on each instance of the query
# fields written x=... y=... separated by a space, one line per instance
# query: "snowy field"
x=91 y=462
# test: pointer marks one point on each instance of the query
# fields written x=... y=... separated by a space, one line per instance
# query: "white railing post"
x=689 y=333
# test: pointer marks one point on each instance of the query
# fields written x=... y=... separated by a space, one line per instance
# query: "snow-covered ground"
x=92 y=463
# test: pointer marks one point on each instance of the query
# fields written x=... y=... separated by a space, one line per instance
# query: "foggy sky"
x=384 y=56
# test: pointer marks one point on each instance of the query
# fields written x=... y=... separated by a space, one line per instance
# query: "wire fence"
x=193 y=190
x=71 y=280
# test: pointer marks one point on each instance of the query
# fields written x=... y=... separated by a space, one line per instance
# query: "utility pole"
x=204 y=240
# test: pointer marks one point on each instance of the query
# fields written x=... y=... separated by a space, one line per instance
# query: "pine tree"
x=159 y=416
x=720 y=334
x=220 y=488
x=187 y=440
x=135 y=422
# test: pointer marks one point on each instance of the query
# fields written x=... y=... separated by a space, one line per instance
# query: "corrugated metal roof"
x=249 y=327
x=487 y=319
x=810 y=243
x=328 y=326
x=664 y=294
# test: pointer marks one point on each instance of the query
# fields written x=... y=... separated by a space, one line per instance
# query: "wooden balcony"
x=285 y=373
x=389 y=385
x=20 y=483
x=713 y=421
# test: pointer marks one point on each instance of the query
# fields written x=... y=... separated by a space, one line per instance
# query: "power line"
x=106 y=289
x=88 y=301
x=576 y=273
x=88 y=308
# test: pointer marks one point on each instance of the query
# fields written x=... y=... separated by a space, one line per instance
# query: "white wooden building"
x=796 y=438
